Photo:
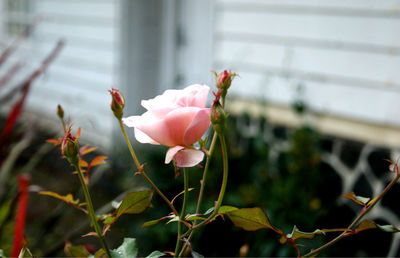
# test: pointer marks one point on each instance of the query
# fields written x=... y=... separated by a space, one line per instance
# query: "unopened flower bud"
x=70 y=148
x=224 y=80
x=117 y=103
x=218 y=118
x=60 y=112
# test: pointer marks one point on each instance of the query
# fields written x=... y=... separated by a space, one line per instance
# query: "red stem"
x=9 y=74
x=19 y=228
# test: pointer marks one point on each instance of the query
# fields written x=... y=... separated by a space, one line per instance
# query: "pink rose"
x=178 y=119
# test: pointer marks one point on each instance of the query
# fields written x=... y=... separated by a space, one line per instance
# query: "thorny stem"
x=363 y=212
x=221 y=193
x=202 y=187
x=203 y=181
x=141 y=170
x=91 y=210
x=183 y=211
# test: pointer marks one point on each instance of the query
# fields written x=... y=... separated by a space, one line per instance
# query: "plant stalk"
x=141 y=170
x=91 y=210
x=221 y=193
x=183 y=211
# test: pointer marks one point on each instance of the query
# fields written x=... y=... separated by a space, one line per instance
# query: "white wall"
x=346 y=54
x=86 y=67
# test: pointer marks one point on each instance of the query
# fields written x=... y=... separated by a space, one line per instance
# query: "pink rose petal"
x=197 y=127
x=154 y=128
x=144 y=138
x=194 y=96
x=184 y=157
x=178 y=121
x=171 y=153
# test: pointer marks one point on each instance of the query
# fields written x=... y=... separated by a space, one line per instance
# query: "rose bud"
x=60 y=112
x=117 y=103
x=70 y=148
x=218 y=118
x=224 y=80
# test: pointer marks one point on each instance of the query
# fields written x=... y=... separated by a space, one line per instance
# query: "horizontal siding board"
x=84 y=79
x=99 y=9
x=348 y=101
x=90 y=122
x=75 y=30
x=268 y=39
x=79 y=104
x=348 y=29
x=89 y=100
x=83 y=53
x=314 y=76
x=261 y=54
x=392 y=5
x=105 y=44
x=336 y=62
x=373 y=67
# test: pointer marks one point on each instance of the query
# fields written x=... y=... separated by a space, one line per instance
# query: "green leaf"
x=369 y=224
x=176 y=218
x=250 y=219
x=388 y=228
x=75 y=250
x=2 y=253
x=100 y=254
x=135 y=202
x=209 y=211
x=357 y=199
x=127 y=249
x=109 y=220
x=176 y=196
x=24 y=253
x=226 y=208
x=66 y=198
x=365 y=225
x=155 y=254
x=296 y=234
x=149 y=223
x=191 y=217
x=116 y=204
x=196 y=255
x=4 y=211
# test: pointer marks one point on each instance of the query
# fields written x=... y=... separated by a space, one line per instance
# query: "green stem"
x=183 y=211
x=204 y=179
x=221 y=193
x=91 y=210
x=202 y=187
x=63 y=125
x=363 y=212
x=141 y=170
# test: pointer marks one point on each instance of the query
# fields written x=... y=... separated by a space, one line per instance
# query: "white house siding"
x=345 y=54
x=86 y=67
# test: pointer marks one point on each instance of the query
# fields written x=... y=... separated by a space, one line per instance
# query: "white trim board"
x=376 y=134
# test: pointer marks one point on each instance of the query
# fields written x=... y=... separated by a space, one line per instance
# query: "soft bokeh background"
x=314 y=113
